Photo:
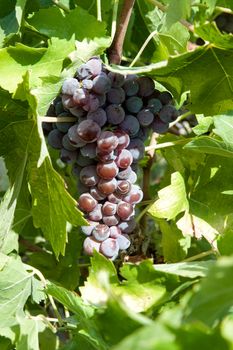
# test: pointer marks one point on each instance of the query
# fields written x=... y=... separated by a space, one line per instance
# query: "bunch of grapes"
x=114 y=114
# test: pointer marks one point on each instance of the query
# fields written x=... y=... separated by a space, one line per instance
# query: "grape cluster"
x=114 y=115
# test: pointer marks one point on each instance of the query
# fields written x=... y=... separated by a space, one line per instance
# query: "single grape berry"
x=101 y=232
x=86 y=202
x=88 y=131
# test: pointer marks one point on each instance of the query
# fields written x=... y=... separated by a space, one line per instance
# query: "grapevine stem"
x=54 y=306
x=99 y=16
x=199 y=256
x=181 y=117
x=48 y=119
x=115 y=50
x=114 y=18
x=144 y=211
x=61 y=6
x=143 y=47
x=168 y=144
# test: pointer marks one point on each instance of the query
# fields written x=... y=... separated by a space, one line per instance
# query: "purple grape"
x=77 y=111
x=84 y=72
x=47 y=127
x=67 y=144
x=130 y=125
x=106 y=157
x=96 y=213
x=58 y=106
x=101 y=84
x=84 y=161
x=89 y=150
x=165 y=97
x=124 y=174
x=99 y=116
x=124 y=210
x=87 y=84
x=134 y=196
x=109 y=247
x=74 y=138
x=127 y=226
x=95 y=66
x=111 y=220
x=101 y=232
x=88 y=176
x=131 y=87
x=109 y=208
x=154 y=105
x=116 y=95
x=123 y=187
x=123 y=241
x=87 y=230
x=69 y=86
x=137 y=149
x=90 y=244
x=115 y=231
x=134 y=104
x=81 y=96
x=108 y=170
x=55 y=139
x=88 y=131
x=145 y=117
x=115 y=114
x=86 y=202
x=68 y=156
x=107 y=142
x=114 y=198
x=159 y=126
x=95 y=192
x=123 y=139
x=146 y=86
x=124 y=159
x=168 y=113
x=92 y=103
x=67 y=101
x=116 y=79
x=107 y=186
x=132 y=177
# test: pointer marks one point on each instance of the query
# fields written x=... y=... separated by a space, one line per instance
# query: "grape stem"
x=115 y=50
x=61 y=6
x=99 y=16
x=180 y=118
x=114 y=18
x=49 y=119
x=200 y=256
x=168 y=144
x=143 y=47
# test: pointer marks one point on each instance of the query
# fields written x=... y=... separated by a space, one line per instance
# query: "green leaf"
x=186 y=269
x=155 y=336
x=174 y=244
x=20 y=143
x=172 y=199
x=209 y=32
x=213 y=300
x=225 y=243
x=15 y=288
x=28 y=333
x=205 y=144
x=210 y=91
x=16 y=61
x=91 y=38
x=177 y=10
x=203 y=126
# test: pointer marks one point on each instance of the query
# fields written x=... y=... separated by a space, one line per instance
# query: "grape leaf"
x=174 y=244
x=205 y=144
x=172 y=199
x=186 y=269
x=20 y=142
x=29 y=333
x=16 y=61
x=15 y=288
x=211 y=95
x=213 y=299
x=225 y=243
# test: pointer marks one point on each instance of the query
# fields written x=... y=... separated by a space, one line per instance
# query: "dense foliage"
x=172 y=288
